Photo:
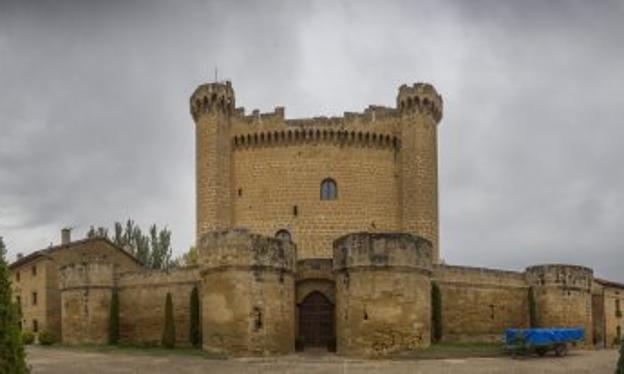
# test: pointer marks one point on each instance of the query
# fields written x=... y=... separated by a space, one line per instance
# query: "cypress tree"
x=194 y=326
x=12 y=355
x=532 y=310
x=620 y=364
x=436 y=313
x=113 y=323
x=168 y=337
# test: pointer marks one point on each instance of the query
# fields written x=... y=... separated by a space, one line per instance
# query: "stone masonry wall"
x=421 y=108
x=142 y=298
x=86 y=292
x=248 y=293
x=613 y=315
x=383 y=293
x=277 y=186
x=479 y=304
x=562 y=296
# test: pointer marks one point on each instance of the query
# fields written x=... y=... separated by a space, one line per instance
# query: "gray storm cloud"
x=95 y=127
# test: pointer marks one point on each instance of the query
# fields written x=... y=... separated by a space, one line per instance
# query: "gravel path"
x=64 y=361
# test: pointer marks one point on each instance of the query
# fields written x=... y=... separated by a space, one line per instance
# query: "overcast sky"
x=95 y=125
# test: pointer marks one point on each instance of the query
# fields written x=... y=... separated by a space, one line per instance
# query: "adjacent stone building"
x=318 y=232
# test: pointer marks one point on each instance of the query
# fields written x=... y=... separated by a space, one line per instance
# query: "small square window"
x=35 y=326
x=17 y=276
x=34 y=298
x=34 y=270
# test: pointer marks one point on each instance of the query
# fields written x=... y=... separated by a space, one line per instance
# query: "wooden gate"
x=316 y=320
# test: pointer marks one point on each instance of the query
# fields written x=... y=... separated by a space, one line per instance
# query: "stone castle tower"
x=377 y=169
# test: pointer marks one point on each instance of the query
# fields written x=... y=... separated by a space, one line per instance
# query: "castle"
x=311 y=232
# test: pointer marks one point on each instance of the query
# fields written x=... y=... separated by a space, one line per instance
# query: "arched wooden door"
x=316 y=320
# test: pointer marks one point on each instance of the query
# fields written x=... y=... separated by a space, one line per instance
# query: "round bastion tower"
x=562 y=295
x=420 y=108
x=212 y=105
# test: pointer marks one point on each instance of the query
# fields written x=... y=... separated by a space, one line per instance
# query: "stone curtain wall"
x=248 y=293
x=142 y=304
x=383 y=293
x=479 y=304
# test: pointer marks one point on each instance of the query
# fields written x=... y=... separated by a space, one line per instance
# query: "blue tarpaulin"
x=537 y=337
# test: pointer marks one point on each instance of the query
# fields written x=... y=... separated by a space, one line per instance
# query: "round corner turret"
x=214 y=97
x=420 y=98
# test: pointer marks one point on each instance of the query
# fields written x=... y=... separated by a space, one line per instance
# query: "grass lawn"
x=138 y=350
x=457 y=350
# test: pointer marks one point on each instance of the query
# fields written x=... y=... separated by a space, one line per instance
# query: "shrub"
x=47 y=337
x=194 y=325
x=168 y=337
x=12 y=356
x=113 y=323
x=28 y=337
x=436 y=313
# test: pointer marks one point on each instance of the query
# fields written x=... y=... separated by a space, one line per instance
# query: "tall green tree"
x=620 y=364
x=436 y=313
x=113 y=323
x=12 y=355
x=100 y=232
x=194 y=325
x=532 y=309
x=168 y=336
x=152 y=249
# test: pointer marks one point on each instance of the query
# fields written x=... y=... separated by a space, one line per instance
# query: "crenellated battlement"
x=560 y=275
x=316 y=135
x=420 y=98
x=86 y=275
x=383 y=250
x=212 y=98
x=239 y=248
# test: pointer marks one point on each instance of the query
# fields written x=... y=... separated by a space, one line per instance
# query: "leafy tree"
x=153 y=250
x=12 y=355
x=190 y=258
x=100 y=232
x=194 y=326
x=168 y=336
x=113 y=323
x=436 y=312
x=532 y=309
x=620 y=364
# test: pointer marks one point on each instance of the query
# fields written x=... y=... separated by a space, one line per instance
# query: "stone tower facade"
x=266 y=173
x=420 y=108
x=211 y=107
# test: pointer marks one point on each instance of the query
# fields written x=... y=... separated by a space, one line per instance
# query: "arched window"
x=329 y=189
x=283 y=235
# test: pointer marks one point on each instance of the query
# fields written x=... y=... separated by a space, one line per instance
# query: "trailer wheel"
x=541 y=351
x=561 y=350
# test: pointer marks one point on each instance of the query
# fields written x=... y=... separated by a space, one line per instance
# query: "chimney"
x=65 y=235
x=20 y=256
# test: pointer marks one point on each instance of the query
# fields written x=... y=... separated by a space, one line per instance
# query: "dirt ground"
x=64 y=361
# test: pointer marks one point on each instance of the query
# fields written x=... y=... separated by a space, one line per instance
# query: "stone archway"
x=316 y=320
